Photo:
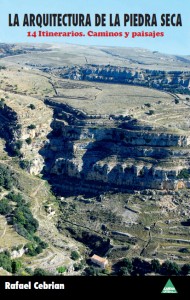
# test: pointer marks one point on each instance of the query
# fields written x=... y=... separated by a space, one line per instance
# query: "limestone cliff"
x=109 y=156
x=171 y=81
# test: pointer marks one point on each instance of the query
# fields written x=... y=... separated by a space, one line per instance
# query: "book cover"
x=94 y=146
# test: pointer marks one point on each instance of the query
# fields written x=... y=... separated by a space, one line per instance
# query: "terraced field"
x=101 y=164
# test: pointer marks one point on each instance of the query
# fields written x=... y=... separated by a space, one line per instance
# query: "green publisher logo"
x=169 y=288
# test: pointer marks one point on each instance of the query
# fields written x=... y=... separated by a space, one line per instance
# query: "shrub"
x=147 y=104
x=32 y=126
x=61 y=270
x=183 y=174
x=32 y=106
x=170 y=268
x=155 y=265
x=185 y=269
x=2 y=103
x=23 y=217
x=90 y=271
x=18 y=144
x=176 y=101
x=24 y=164
x=5 y=261
x=16 y=265
x=75 y=255
x=7 y=178
x=38 y=250
x=5 y=208
x=14 y=150
x=29 y=141
x=15 y=198
x=151 y=112
x=36 y=247
x=78 y=267
x=40 y=272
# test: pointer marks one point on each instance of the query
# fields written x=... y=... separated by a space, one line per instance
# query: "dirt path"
x=4 y=231
x=37 y=189
x=60 y=246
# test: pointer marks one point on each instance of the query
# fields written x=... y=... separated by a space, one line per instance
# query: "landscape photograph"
x=94 y=161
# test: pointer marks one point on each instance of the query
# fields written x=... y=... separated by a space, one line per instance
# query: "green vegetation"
x=138 y=266
x=61 y=270
x=36 y=247
x=151 y=112
x=5 y=208
x=29 y=141
x=2 y=103
x=93 y=241
x=15 y=150
x=41 y=272
x=23 y=221
x=31 y=126
x=5 y=261
x=16 y=266
x=170 y=268
x=155 y=265
x=183 y=174
x=24 y=164
x=16 y=198
x=75 y=255
x=147 y=105
x=7 y=178
x=185 y=269
x=79 y=266
x=32 y=106
x=176 y=101
x=126 y=267
x=12 y=266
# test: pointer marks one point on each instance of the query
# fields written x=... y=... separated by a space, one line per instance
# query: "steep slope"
x=107 y=130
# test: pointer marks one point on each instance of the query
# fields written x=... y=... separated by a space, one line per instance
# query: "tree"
x=170 y=268
x=91 y=271
x=127 y=264
x=16 y=198
x=32 y=106
x=5 y=261
x=183 y=174
x=155 y=265
x=38 y=249
x=16 y=265
x=185 y=270
x=151 y=112
x=61 y=270
x=5 y=208
x=140 y=266
x=40 y=272
x=31 y=126
x=176 y=101
x=123 y=271
x=75 y=255
x=29 y=141
x=147 y=104
x=24 y=164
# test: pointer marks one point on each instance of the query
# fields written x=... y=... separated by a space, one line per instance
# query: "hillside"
x=98 y=141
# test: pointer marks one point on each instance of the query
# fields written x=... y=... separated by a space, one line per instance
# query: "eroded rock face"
x=176 y=81
x=25 y=130
x=113 y=157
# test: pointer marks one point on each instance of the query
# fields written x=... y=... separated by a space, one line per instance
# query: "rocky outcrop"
x=94 y=158
x=24 y=129
x=173 y=81
x=10 y=129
